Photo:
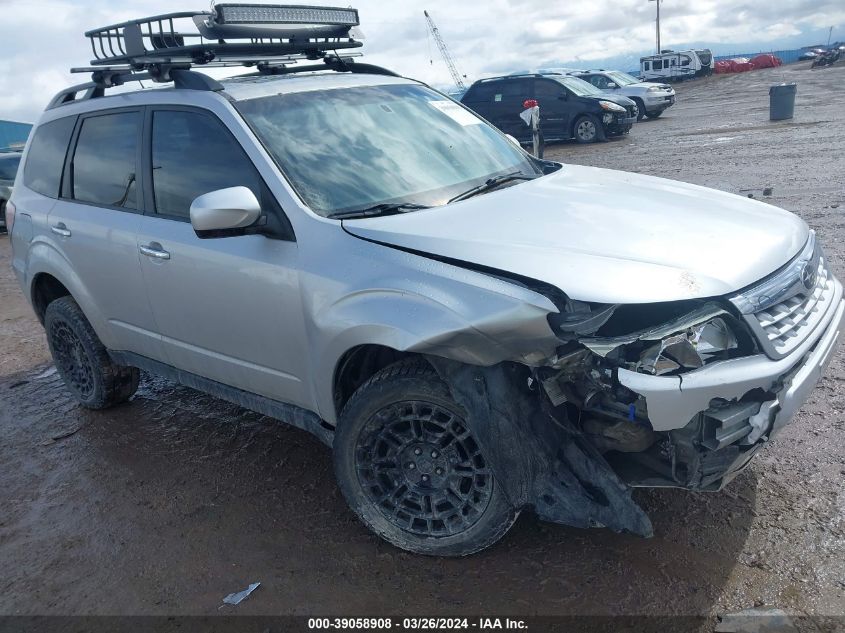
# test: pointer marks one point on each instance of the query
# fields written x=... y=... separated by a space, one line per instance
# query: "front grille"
x=785 y=309
x=786 y=324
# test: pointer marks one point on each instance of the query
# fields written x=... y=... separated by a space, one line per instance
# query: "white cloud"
x=42 y=39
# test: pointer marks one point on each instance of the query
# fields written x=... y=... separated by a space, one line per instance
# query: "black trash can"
x=782 y=101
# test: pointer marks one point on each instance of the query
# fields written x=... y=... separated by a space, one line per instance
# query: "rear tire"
x=82 y=360
x=588 y=129
x=411 y=470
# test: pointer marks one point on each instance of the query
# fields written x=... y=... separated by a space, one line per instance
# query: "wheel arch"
x=51 y=276
x=359 y=364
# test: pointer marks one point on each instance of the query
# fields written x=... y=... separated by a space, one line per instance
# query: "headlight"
x=655 y=89
x=607 y=105
x=689 y=349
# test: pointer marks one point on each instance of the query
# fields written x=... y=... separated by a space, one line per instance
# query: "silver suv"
x=471 y=330
x=652 y=99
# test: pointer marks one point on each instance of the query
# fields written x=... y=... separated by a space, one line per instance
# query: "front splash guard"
x=539 y=461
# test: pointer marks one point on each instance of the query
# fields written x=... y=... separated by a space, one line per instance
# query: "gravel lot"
x=174 y=500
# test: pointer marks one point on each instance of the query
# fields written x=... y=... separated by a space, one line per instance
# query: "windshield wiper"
x=385 y=208
x=492 y=183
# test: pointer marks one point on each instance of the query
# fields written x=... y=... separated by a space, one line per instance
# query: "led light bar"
x=284 y=14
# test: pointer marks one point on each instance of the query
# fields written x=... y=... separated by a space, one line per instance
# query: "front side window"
x=350 y=149
x=547 y=89
x=193 y=154
x=46 y=156
x=103 y=170
x=578 y=86
x=598 y=81
x=622 y=79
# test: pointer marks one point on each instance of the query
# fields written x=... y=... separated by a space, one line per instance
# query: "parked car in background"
x=652 y=99
x=9 y=162
x=677 y=65
x=569 y=107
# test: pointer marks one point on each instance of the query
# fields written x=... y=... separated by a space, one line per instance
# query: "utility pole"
x=829 y=33
x=658 y=24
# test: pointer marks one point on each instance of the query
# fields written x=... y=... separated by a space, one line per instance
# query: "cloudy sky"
x=41 y=39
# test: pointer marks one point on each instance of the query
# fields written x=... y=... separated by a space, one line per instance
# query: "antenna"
x=456 y=77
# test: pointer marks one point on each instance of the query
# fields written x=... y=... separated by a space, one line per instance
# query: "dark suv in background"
x=9 y=162
x=569 y=107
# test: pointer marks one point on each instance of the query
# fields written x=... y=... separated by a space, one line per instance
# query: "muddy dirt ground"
x=169 y=503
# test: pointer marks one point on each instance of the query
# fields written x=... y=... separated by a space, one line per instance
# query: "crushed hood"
x=605 y=236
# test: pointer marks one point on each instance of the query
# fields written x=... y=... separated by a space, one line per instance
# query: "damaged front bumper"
x=717 y=417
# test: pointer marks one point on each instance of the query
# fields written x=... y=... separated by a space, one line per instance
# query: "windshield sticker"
x=456 y=112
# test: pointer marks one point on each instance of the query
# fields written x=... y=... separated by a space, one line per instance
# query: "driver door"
x=228 y=309
x=555 y=108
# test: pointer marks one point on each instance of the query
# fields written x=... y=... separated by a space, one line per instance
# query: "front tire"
x=588 y=129
x=654 y=115
x=410 y=468
x=82 y=360
x=640 y=109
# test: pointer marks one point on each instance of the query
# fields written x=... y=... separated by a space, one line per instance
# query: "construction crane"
x=456 y=77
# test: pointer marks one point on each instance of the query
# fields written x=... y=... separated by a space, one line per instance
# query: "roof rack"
x=164 y=48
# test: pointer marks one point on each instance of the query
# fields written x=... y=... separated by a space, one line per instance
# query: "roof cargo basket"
x=230 y=33
x=269 y=37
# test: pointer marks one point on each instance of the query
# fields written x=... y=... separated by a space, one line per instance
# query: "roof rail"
x=266 y=37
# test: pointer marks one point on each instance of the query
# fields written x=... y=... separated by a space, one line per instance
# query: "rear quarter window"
x=46 y=157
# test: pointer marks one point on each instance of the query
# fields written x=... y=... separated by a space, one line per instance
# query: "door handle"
x=60 y=229
x=154 y=250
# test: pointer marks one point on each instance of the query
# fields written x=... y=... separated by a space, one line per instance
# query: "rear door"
x=556 y=108
x=94 y=225
x=229 y=309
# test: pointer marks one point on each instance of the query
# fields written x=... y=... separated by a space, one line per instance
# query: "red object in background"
x=530 y=103
x=766 y=60
x=741 y=67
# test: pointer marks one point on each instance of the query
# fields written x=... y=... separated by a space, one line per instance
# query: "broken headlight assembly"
x=688 y=336
x=689 y=349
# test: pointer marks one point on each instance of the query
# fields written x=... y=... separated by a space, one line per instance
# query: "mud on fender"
x=539 y=461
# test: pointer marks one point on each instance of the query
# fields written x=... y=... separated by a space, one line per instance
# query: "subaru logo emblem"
x=808 y=275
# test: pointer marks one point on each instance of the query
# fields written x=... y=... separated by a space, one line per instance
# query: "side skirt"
x=282 y=411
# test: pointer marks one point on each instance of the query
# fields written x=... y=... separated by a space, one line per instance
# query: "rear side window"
x=513 y=88
x=104 y=161
x=46 y=157
x=480 y=93
x=193 y=154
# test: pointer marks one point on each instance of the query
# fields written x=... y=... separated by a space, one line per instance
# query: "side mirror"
x=225 y=212
x=612 y=85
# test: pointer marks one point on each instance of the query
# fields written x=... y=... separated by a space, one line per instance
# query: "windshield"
x=9 y=166
x=580 y=87
x=622 y=79
x=355 y=148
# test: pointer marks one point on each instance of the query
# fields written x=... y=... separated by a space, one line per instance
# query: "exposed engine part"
x=619 y=435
